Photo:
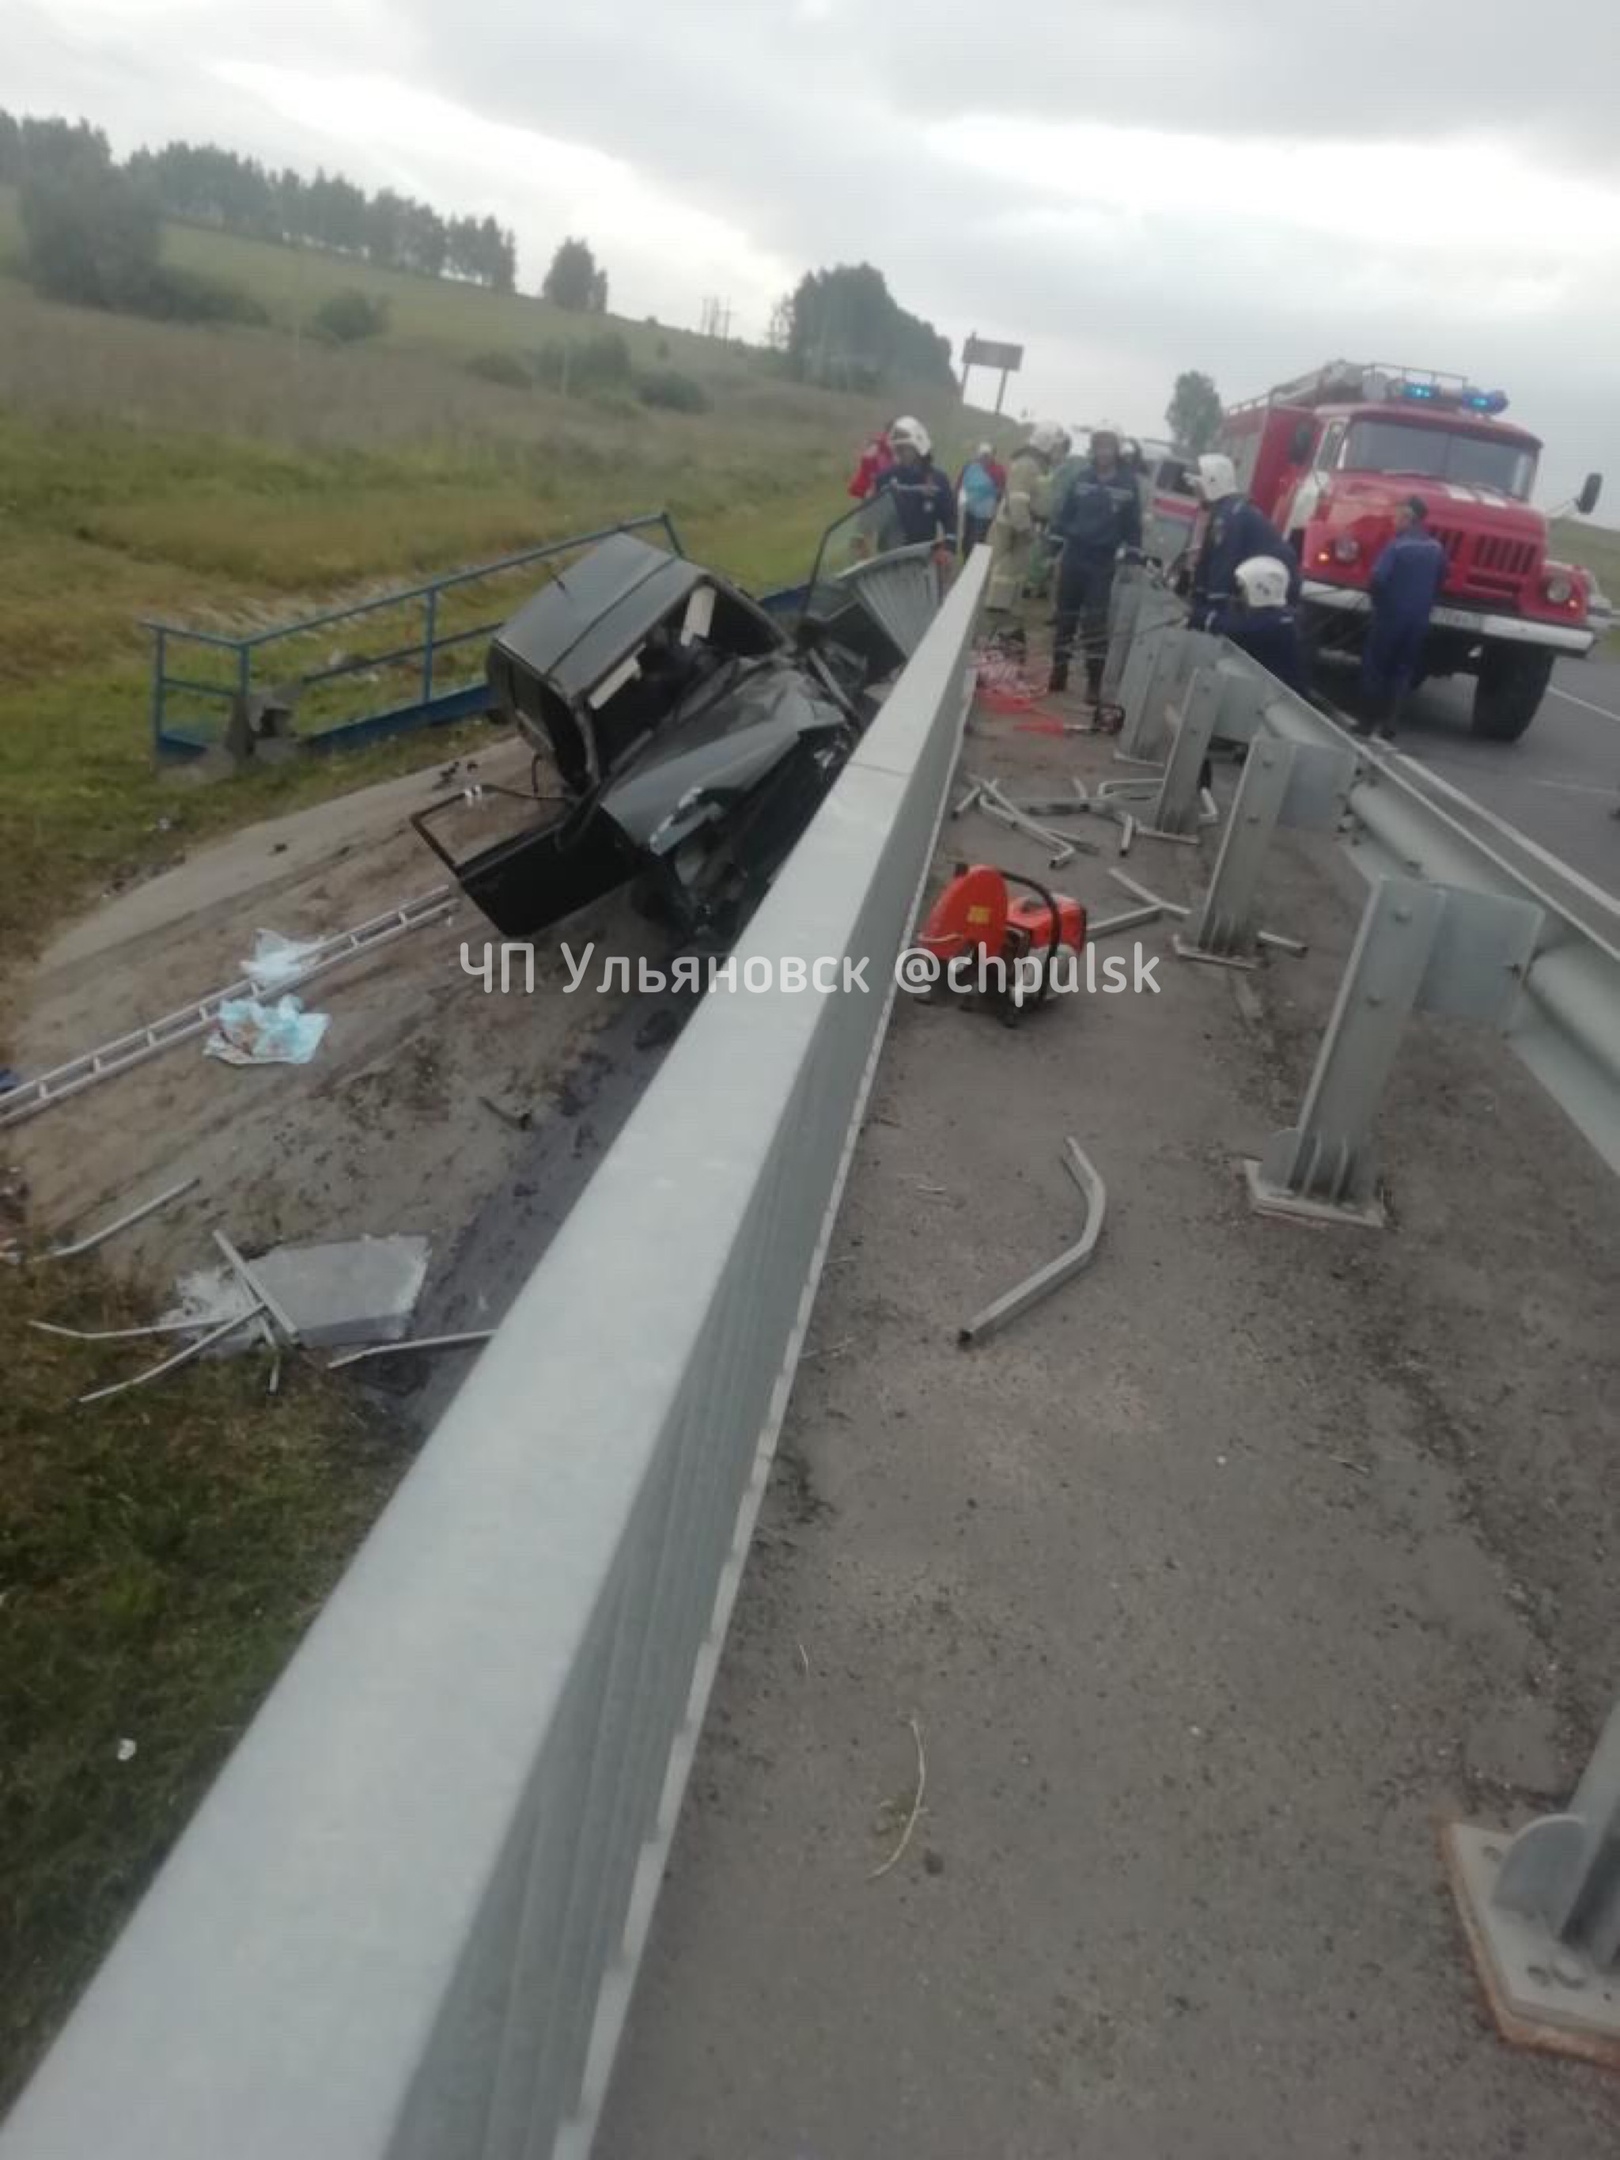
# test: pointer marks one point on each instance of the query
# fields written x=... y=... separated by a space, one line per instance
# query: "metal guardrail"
x=1470 y=918
x=405 y=1922
x=1505 y=942
x=419 y=675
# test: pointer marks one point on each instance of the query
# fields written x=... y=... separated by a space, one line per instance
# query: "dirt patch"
x=385 y=1130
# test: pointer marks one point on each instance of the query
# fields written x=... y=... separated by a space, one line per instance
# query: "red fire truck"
x=1328 y=458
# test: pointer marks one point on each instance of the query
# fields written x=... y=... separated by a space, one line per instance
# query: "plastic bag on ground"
x=276 y=960
x=247 y=1032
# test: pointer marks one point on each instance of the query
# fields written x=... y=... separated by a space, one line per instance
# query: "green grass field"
x=1596 y=549
x=160 y=1556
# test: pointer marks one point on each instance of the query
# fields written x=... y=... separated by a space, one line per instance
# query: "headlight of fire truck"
x=1347 y=549
x=1559 y=589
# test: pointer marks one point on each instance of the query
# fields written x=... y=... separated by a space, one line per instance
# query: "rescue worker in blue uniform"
x=920 y=491
x=1100 y=514
x=1406 y=582
x=1237 y=531
x=1261 y=622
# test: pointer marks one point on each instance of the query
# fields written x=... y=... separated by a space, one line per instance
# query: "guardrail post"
x=159 y=684
x=1176 y=653
x=430 y=629
x=1283 y=783
x=1195 y=724
x=1420 y=948
x=1542 y=1911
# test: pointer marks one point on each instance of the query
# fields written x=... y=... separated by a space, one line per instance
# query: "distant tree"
x=780 y=333
x=90 y=233
x=205 y=185
x=845 y=328
x=386 y=215
x=497 y=257
x=1193 y=415
x=424 y=240
x=599 y=293
x=571 y=282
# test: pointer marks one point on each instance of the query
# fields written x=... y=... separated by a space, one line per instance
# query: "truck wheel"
x=1512 y=682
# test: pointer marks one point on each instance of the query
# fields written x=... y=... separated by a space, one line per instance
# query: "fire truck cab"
x=1330 y=457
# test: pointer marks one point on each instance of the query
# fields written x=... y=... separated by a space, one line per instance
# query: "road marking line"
x=1570 y=876
x=1585 y=704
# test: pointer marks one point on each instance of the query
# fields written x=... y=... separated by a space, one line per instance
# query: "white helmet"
x=1217 y=477
x=1047 y=439
x=908 y=433
x=1263 y=581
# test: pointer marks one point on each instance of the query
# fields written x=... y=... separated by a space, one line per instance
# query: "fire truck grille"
x=1488 y=565
x=1508 y=558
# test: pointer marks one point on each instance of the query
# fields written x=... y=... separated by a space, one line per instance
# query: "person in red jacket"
x=877 y=456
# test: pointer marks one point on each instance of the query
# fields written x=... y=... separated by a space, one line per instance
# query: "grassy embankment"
x=161 y=1553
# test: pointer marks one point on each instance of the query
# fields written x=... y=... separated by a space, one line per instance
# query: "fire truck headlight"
x=1346 y=549
x=1560 y=590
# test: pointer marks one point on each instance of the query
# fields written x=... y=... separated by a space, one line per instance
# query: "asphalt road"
x=1209 y=1589
x=1558 y=784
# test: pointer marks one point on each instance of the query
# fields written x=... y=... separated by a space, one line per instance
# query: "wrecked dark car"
x=694 y=731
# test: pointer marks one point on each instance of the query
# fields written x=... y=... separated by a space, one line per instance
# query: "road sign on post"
x=985 y=352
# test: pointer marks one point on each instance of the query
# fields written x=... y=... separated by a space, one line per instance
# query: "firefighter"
x=877 y=455
x=922 y=495
x=1025 y=506
x=1261 y=622
x=1100 y=516
x=1406 y=582
x=1236 y=531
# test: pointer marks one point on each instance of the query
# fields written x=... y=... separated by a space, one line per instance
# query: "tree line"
x=844 y=328
x=204 y=185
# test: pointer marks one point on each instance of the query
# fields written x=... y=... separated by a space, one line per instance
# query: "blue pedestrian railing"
x=402 y=660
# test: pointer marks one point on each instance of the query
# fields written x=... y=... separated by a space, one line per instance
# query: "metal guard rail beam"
x=520 y=561
x=405 y=1922
x=1566 y=1025
x=433 y=702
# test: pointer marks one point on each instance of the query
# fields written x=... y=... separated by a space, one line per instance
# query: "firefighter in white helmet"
x=1262 y=622
x=1025 y=508
x=1236 y=531
x=920 y=490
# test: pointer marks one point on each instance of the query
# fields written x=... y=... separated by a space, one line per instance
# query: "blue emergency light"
x=1479 y=401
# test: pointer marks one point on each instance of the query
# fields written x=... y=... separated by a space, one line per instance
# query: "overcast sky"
x=1126 y=187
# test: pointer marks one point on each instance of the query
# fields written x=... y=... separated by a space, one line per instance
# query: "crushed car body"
x=694 y=731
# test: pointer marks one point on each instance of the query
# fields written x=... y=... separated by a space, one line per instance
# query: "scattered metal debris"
x=1056 y=1272
x=72 y=1250
x=518 y=1120
x=916 y=1807
x=254 y=1284
x=169 y=1364
x=1153 y=899
x=411 y=1342
x=1112 y=925
x=117 y=1334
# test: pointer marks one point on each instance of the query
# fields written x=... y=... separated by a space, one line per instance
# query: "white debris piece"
x=247 y=1032
x=276 y=960
x=363 y=1290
